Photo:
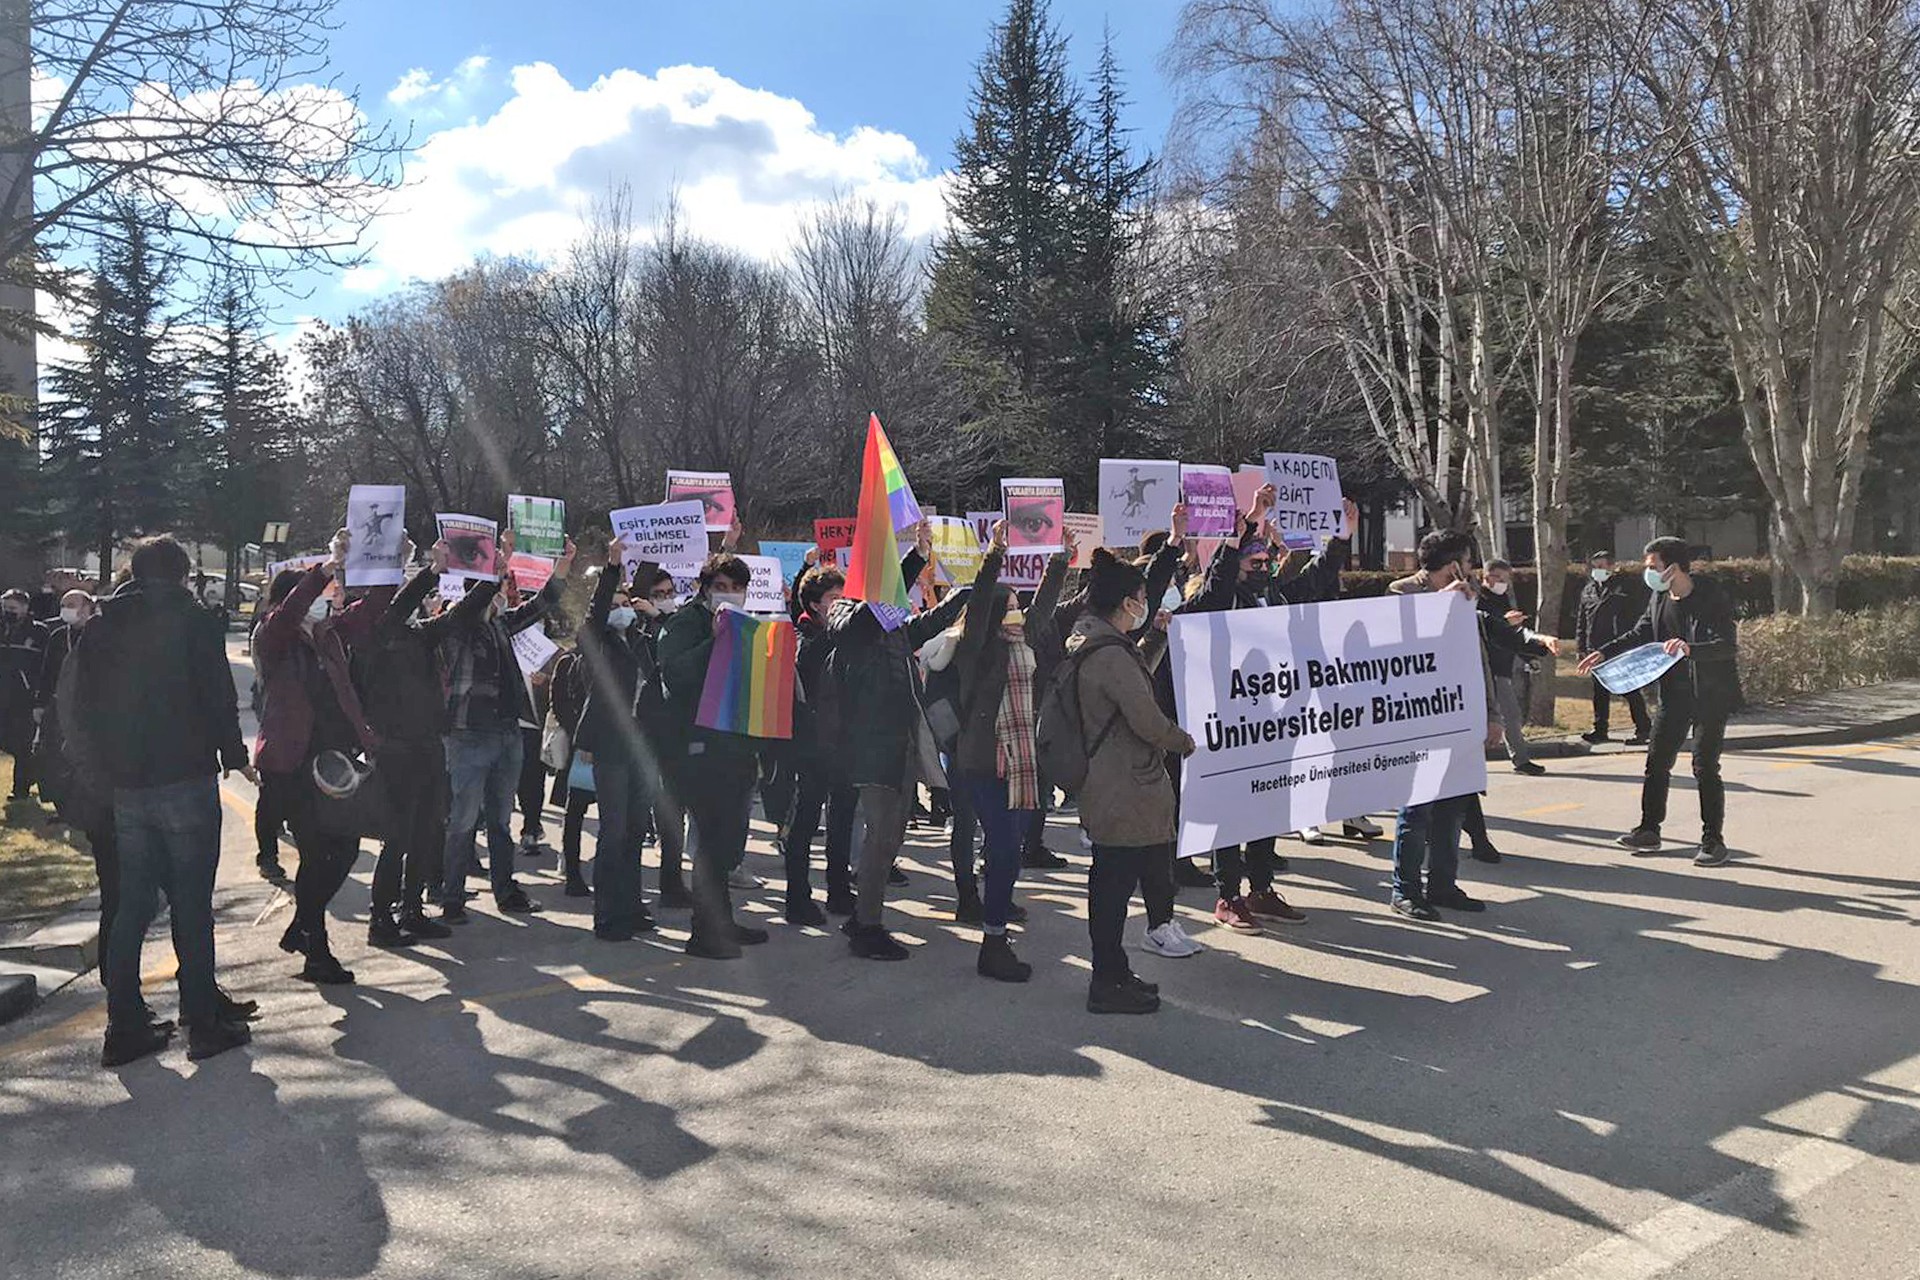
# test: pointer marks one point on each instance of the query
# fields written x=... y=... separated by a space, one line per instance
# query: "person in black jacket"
x=1508 y=644
x=156 y=720
x=398 y=673
x=1692 y=619
x=1606 y=610
x=23 y=647
x=818 y=785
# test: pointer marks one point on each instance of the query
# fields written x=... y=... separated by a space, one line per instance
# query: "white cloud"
x=745 y=165
x=418 y=84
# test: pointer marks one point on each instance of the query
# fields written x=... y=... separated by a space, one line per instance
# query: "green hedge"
x=1786 y=656
x=1865 y=581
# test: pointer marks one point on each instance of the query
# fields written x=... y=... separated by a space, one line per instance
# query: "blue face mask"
x=1656 y=579
x=1599 y=575
x=1172 y=599
x=621 y=618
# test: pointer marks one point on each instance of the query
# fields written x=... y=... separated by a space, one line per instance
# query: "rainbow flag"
x=873 y=568
x=750 y=675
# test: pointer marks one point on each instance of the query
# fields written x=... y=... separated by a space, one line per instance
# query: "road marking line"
x=1545 y=809
x=1854 y=1128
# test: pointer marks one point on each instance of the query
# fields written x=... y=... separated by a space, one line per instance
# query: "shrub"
x=1785 y=655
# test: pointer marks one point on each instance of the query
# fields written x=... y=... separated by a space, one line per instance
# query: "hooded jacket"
x=154 y=696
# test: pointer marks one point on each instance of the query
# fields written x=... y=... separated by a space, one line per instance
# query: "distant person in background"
x=23 y=647
x=1509 y=644
x=1606 y=611
x=1692 y=619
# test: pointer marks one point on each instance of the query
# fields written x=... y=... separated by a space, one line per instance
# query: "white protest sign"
x=1307 y=503
x=672 y=535
x=532 y=650
x=1136 y=498
x=377 y=525
x=983 y=522
x=1634 y=669
x=452 y=588
x=302 y=563
x=1313 y=713
x=1023 y=568
x=1085 y=528
x=766 y=592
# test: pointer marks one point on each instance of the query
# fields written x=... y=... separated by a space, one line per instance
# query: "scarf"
x=1013 y=731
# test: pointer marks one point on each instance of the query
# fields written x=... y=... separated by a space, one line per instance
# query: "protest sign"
x=983 y=522
x=713 y=490
x=532 y=650
x=1634 y=669
x=1023 y=567
x=956 y=550
x=1246 y=483
x=842 y=558
x=1135 y=499
x=766 y=590
x=1308 y=506
x=1318 y=712
x=791 y=555
x=1086 y=536
x=1208 y=493
x=472 y=547
x=1036 y=513
x=377 y=525
x=539 y=525
x=672 y=535
x=452 y=587
x=530 y=573
x=831 y=535
x=302 y=563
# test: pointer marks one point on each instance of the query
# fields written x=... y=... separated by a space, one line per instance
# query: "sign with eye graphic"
x=472 y=546
x=1036 y=515
x=713 y=490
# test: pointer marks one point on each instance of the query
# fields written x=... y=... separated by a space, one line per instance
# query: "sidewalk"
x=1820 y=720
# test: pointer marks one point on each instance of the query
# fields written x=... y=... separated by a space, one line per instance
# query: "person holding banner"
x=486 y=701
x=1128 y=803
x=713 y=772
x=1427 y=836
x=1692 y=620
x=615 y=662
x=311 y=706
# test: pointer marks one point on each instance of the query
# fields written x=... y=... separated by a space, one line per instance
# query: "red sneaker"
x=1233 y=913
x=1269 y=905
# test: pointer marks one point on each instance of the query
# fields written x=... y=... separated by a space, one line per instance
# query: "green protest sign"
x=539 y=525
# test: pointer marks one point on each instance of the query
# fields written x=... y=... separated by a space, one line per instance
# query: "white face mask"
x=70 y=615
x=1171 y=600
x=319 y=609
x=1498 y=588
x=1136 y=612
x=737 y=599
x=1599 y=575
x=621 y=618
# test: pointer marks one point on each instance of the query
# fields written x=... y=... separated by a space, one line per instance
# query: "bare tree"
x=1795 y=188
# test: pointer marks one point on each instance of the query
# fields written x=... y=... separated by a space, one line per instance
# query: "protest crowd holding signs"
x=1147 y=660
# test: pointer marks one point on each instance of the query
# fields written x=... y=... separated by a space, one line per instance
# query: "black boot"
x=207 y=1039
x=415 y=922
x=384 y=931
x=998 y=962
x=966 y=906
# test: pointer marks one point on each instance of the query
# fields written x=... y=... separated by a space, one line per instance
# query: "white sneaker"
x=1171 y=941
x=1312 y=835
x=1364 y=827
x=743 y=879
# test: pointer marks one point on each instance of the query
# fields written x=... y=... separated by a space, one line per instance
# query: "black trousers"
x=1117 y=869
x=718 y=791
x=1677 y=714
x=1474 y=822
x=1636 y=707
x=533 y=785
x=273 y=812
x=814 y=793
x=414 y=847
x=325 y=862
x=1252 y=862
x=960 y=843
x=105 y=847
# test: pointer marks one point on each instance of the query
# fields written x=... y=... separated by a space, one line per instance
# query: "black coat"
x=1710 y=672
x=874 y=692
x=23 y=648
x=614 y=666
x=1607 y=610
x=156 y=697
x=1505 y=642
x=397 y=668
x=980 y=662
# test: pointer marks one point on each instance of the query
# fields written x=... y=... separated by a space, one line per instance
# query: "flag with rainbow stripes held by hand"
x=750 y=676
x=887 y=507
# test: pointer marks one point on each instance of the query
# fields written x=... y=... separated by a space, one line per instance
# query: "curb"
x=19 y=992
x=1826 y=737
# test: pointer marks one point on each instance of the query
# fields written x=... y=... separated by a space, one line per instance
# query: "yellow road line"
x=1542 y=810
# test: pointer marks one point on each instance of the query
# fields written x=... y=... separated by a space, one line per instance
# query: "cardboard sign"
x=473 y=549
x=983 y=522
x=672 y=535
x=539 y=525
x=1023 y=568
x=530 y=573
x=532 y=649
x=956 y=551
x=1086 y=532
x=1208 y=493
x=1036 y=513
x=1135 y=499
x=377 y=525
x=766 y=590
x=831 y=535
x=1308 y=506
x=713 y=490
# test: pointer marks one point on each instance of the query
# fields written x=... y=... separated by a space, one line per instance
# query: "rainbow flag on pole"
x=887 y=506
x=750 y=676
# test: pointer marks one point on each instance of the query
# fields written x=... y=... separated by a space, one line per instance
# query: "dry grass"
x=1573 y=704
x=43 y=865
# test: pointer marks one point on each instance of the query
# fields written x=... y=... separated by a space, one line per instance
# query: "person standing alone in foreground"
x=1692 y=619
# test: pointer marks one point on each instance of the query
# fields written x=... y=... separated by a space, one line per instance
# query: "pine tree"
x=1002 y=284
x=117 y=426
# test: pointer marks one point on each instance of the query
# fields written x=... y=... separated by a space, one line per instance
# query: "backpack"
x=1059 y=737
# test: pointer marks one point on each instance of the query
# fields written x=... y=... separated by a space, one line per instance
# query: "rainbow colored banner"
x=750 y=675
x=873 y=568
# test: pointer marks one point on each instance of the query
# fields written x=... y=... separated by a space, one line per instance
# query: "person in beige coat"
x=1127 y=804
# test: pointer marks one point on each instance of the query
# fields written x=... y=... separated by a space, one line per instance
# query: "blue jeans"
x=483 y=767
x=169 y=843
x=620 y=788
x=1428 y=834
x=1002 y=830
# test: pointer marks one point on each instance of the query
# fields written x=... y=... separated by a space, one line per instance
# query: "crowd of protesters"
x=392 y=714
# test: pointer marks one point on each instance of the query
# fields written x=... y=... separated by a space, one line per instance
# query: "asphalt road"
x=1626 y=1068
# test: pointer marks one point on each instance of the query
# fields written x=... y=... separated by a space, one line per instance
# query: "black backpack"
x=1059 y=738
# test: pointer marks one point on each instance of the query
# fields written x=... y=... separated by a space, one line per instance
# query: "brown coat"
x=1128 y=800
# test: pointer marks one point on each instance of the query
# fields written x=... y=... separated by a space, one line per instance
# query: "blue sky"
x=522 y=113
